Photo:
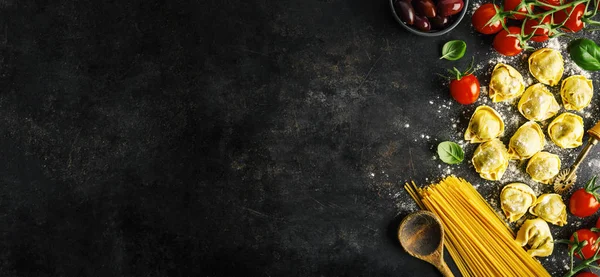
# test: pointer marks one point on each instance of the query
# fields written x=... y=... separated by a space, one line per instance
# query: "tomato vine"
x=540 y=17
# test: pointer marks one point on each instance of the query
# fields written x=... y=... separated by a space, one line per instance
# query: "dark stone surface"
x=217 y=138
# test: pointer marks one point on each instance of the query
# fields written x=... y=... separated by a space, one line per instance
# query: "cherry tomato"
x=541 y=34
x=482 y=15
x=465 y=90
x=590 y=248
x=573 y=23
x=551 y=2
x=508 y=45
x=598 y=223
x=511 y=5
x=586 y=274
x=584 y=202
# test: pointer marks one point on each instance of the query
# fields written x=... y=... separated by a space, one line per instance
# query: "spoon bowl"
x=421 y=235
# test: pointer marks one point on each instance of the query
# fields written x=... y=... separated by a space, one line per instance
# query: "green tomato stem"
x=553 y=29
x=577 y=245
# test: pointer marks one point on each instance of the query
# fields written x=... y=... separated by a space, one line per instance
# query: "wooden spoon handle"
x=595 y=131
x=444 y=269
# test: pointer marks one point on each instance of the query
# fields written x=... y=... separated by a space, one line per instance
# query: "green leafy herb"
x=450 y=152
x=585 y=53
x=453 y=50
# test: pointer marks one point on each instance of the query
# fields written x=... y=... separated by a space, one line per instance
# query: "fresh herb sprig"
x=450 y=152
x=585 y=53
x=453 y=50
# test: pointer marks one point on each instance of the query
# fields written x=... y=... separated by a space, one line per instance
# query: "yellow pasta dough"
x=543 y=166
x=576 y=92
x=506 y=83
x=550 y=207
x=536 y=234
x=547 y=66
x=490 y=160
x=566 y=130
x=479 y=241
x=527 y=140
x=537 y=103
x=516 y=198
x=485 y=124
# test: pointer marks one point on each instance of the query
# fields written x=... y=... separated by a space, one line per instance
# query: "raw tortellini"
x=506 y=83
x=566 y=130
x=485 y=125
x=527 y=140
x=490 y=160
x=550 y=208
x=516 y=198
x=576 y=92
x=547 y=66
x=536 y=234
x=543 y=166
x=537 y=103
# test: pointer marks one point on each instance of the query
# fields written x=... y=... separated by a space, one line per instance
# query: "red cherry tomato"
x=590 y=248
x=586 y=274
x=541 y=34
x=573 y=23
x=583 y=204
x=511 y=5
x=551 y=2
x=465 y=90
x=508 y=45
x=598 y=223
x=482 y=15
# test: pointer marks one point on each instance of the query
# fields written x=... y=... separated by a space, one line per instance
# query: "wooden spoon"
x=422 y=236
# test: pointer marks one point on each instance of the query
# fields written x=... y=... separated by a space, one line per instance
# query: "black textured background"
x=217 y=138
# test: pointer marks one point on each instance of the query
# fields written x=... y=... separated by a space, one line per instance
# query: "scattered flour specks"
x=474 y=7
x=456 y=118
x=594 y=164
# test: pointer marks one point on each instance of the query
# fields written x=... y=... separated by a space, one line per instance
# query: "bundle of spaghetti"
x=478 y=240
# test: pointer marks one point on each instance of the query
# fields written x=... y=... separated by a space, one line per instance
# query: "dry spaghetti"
x=478 y=240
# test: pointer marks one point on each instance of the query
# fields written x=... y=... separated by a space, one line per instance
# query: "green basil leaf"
x=454 y=50
x=585 y=53
x=450 y=152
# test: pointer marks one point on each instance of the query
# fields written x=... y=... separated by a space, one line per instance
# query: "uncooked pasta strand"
x=478 y=240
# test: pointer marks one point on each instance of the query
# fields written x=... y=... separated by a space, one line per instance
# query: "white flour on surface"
x=474 y=7
x=458 y=117
x=570 y=67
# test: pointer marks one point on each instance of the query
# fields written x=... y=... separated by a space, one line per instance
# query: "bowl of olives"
x=429 y=17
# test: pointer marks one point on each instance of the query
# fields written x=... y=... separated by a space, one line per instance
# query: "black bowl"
x=457 y=18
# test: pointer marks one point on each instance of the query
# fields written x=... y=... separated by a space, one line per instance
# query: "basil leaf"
x=450 y=152
x=453 y=50
x=585 y=53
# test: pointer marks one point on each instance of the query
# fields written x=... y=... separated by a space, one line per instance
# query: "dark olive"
x=405 y=11
x=439 y=22
x=425 y=7
x=449 y=7
x=422 y=23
